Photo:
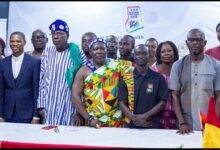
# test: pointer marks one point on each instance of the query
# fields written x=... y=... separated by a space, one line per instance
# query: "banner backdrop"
x=161 y=20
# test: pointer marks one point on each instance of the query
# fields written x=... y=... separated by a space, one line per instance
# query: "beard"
x=39 y=49
x=112 y=52
x=125 y=54
x=196 y=53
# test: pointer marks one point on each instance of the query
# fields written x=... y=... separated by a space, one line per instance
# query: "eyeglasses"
x=39 y=37
x=198 y=40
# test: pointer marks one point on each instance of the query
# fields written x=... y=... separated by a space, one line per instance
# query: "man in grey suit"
x=19 y=84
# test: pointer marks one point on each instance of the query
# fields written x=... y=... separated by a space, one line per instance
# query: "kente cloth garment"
x=126 y=70
x=54 y=92
x=168 y=118
x=100 y=94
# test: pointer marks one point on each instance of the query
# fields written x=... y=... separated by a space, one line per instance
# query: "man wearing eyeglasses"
x=193 y=80
x=39 y=40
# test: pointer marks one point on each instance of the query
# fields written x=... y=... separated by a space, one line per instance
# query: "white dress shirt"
x=16 y=64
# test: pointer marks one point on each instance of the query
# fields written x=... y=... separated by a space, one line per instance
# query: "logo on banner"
x=134 y=19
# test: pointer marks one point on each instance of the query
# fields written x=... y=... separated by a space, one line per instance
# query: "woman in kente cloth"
x=97 y=86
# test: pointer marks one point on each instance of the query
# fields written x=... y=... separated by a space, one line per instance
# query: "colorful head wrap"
x=59 y=25
x=96 y=40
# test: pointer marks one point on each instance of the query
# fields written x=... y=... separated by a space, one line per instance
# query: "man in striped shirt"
x=58 y=68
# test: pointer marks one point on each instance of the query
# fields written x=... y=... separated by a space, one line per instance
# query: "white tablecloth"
x=111 y=137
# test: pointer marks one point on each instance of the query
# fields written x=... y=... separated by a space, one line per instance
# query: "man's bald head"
x=196 y=42
x=196 y=31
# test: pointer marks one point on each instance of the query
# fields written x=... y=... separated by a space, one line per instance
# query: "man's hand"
x=148 y=124
x=133 y=117
x=2 y=119
x=140 y=120
x=95 y=123
x=184 y=129
x=35 y=121
x=42 y=115
x=78 y=120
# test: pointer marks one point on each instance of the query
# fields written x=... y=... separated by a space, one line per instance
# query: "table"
x=13 y=134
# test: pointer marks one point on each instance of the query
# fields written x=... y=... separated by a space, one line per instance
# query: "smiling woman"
x=166 y=55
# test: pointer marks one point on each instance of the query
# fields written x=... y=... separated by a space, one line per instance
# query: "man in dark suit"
x=19 y=84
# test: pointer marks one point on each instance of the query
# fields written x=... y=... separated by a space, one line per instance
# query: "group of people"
x=147 y=86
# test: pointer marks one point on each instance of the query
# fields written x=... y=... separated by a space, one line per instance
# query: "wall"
x=162 y=20
x=4 y=7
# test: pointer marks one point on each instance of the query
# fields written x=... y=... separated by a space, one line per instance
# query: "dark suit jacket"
x=24 y=92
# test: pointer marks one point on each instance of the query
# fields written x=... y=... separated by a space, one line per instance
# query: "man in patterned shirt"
x=98 y=89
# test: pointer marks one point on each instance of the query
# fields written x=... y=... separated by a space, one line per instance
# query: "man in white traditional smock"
x=58 y=68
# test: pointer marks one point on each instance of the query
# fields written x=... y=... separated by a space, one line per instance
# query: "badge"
x=149 y=88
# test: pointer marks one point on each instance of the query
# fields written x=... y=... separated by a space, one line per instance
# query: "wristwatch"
x=183 y=123
x=89 y=119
